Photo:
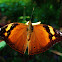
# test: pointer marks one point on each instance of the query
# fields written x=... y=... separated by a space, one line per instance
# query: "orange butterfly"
x=38 y=38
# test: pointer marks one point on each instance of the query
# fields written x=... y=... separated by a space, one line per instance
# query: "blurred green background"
x=46 y=11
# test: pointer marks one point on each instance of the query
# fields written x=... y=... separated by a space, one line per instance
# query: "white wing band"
x=34 y=23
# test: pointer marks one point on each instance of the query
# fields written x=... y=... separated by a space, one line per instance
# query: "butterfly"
x=37 y=38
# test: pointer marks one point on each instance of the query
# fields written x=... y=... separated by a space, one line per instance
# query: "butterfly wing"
x=15 y=34
x=42 y=38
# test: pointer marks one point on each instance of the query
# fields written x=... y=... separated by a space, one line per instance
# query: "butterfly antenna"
x=32 y=14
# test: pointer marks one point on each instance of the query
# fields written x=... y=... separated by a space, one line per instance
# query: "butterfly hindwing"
x=42 y=38
x=15 y=34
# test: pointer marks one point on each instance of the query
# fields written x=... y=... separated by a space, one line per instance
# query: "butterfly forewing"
x=42 y=38
x=15 y=35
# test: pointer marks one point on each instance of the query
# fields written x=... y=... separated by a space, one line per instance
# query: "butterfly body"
x=38 y=38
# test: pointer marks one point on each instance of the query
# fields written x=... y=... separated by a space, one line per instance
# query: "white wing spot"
x=0 y=29
x=60 y=33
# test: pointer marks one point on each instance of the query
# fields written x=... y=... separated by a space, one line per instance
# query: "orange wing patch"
x=15 y=36
x=39 y=39
x=42 y=39
x=18 y=38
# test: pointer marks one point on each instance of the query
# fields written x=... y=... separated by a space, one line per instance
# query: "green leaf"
x=2 y=44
